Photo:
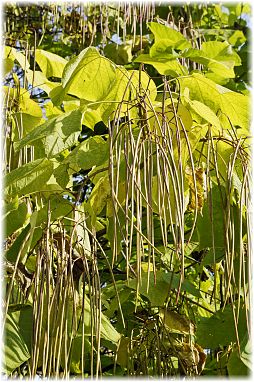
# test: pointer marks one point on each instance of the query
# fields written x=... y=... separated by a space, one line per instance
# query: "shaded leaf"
x=219 y=329
x=158 y=292
x=120 y=54
x=235 y=365
x=18 y=335
x=17 y=245
x=15 y=219
x=176 y=322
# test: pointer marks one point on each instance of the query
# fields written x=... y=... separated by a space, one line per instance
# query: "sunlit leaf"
x=57 y=134
x=29 y=178
x=92 y=152
x=14 y=55
x=167 y=67
x=51 y=64
x=224 y=103
x=39 y=79
x=165 y=37
x=89 y=75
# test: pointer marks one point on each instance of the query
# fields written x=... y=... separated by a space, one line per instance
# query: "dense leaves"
x=127 y=194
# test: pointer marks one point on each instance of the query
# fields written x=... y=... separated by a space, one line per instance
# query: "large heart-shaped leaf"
x=89 y=75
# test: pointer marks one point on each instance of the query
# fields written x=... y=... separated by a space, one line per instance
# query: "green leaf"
x=51 y=64
x=166 y=67
x=18 y=335
x=91 y=152
x=38 y=79
x=224 y=103
x=221 y=52
x=15 y=219
x=99 y=195
x=210 y=225
x=29 y=178
x=107 y=330
x=236 y=107
x=158 y=291
x=205 y=112
x=59 y=208
x=219 y=329
x=175 y=322
x=62 y=175
x=89 y=76
x=120 y=54
x=27 y=112
x=8 y=64
x=76 y=354
x=125 y=89
x=146 y=84
x=57 y=95
x=217 y=56
x=166 y=37
x=237 y=38
x=57 y=134
x=235 y=365
x=123 y=352
x=14 y=55
x=18 y=244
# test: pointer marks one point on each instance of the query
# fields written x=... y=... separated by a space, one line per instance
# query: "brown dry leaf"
x=202 y=358
x=188 y=354
x=199 y=173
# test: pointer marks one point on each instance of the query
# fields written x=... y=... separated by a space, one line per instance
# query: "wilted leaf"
x=196 y=201
x=176 y=322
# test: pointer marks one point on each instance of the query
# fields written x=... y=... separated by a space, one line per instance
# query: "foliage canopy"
x=127 y=190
